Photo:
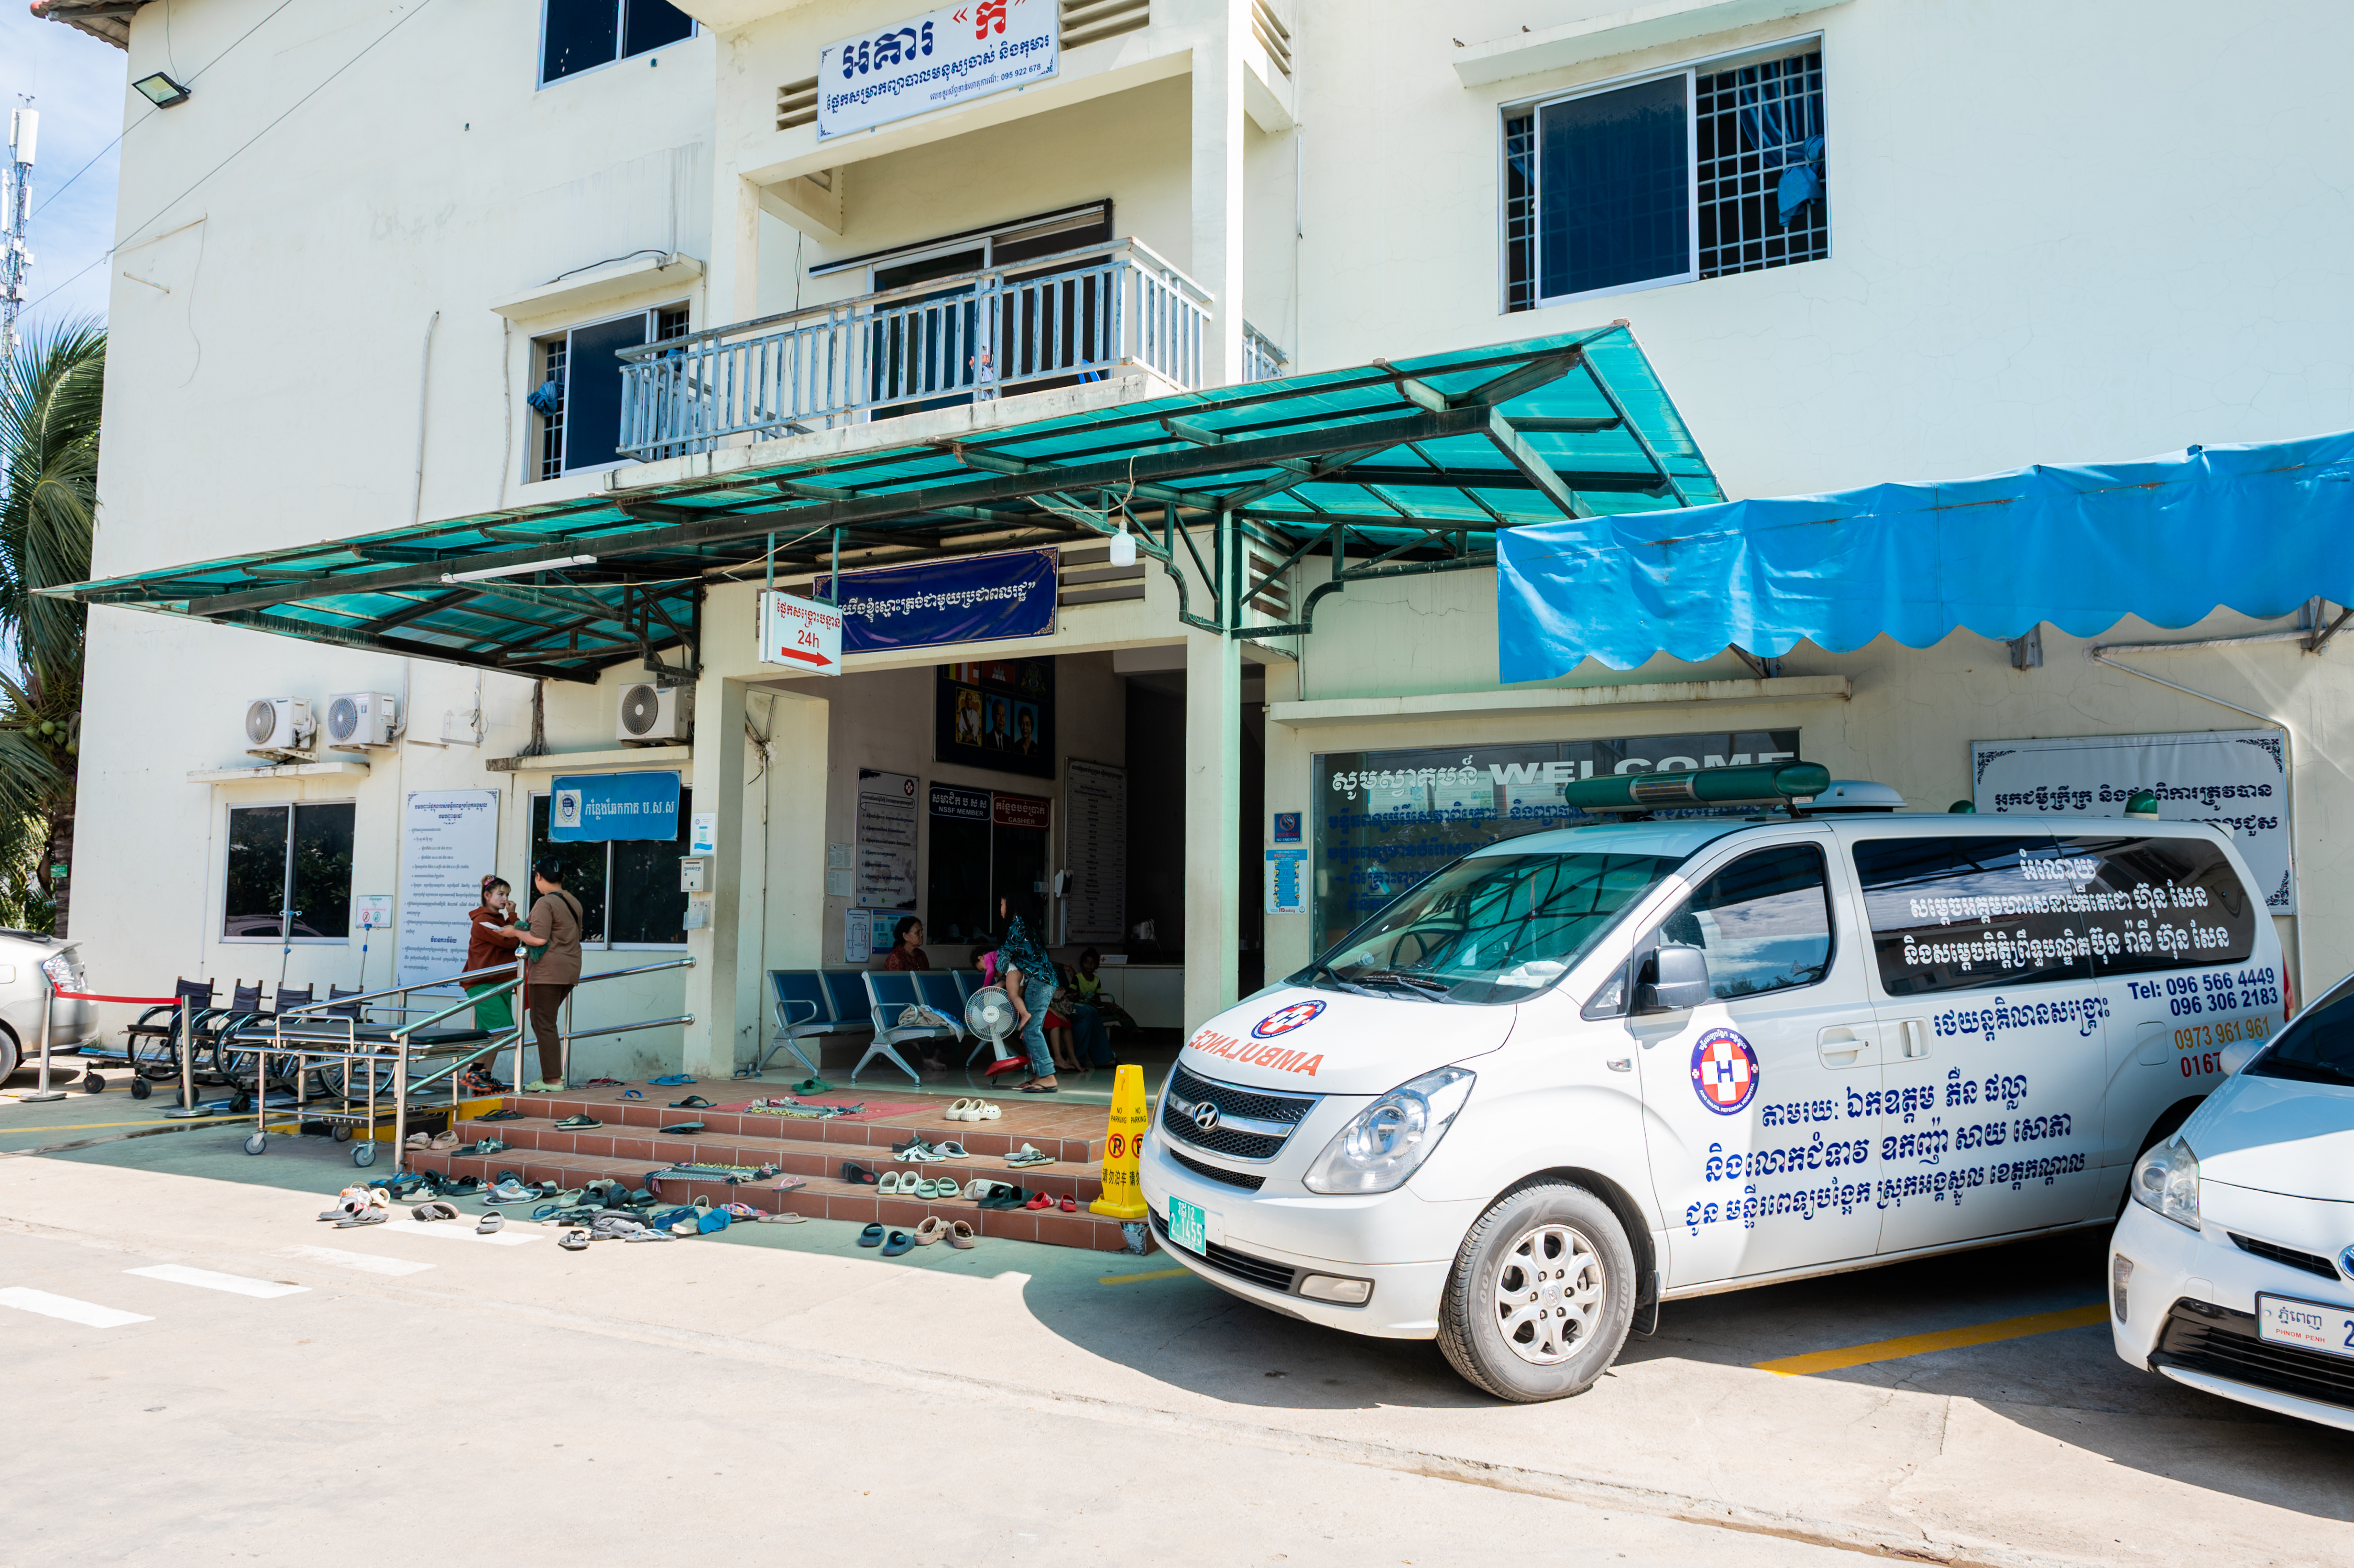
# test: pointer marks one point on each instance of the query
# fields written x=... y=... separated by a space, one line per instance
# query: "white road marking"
x=359 y=1260
x=208 y=1279
x=453 y=1230
x=27 y=1300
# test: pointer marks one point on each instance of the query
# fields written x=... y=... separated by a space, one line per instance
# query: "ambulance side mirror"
x=1671 y=980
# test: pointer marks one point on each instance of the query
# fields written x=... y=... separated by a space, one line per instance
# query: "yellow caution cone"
x=1123 y=1142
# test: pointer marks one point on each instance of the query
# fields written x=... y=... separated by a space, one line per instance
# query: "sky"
x=77 y=83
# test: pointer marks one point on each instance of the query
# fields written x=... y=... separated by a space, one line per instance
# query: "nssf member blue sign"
x=981 y=598
x=595 y=808
x=940 y=58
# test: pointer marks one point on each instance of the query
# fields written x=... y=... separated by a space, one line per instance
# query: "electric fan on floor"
x=989 y=1015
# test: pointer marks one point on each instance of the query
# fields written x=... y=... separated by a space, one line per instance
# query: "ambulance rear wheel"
x=1541 y=1294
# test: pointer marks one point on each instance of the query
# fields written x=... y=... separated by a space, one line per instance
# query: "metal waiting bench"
x=890 y=992
x=807 y=1009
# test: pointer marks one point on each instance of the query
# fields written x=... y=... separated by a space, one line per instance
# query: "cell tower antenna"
x=16 y=257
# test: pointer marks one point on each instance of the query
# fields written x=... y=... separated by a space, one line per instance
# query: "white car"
x=2232 y=1270
x=24 y=957
x=1580 y=1073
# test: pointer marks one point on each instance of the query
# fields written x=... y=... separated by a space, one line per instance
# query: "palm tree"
x=51 y=391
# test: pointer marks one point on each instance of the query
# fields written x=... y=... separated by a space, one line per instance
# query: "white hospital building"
x=475 y=368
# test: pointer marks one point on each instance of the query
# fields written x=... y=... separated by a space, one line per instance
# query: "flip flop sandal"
x=669 y=1080
x=787 y=1218
x=962 y=1236
x=437 y=1210
x=854 y=1171
x=692 y=1102
x=578 y=1123
x=899 y=1246
x=546 y=1212
x=420 y=1141
x=649 y=1236
x=931 y=1231
x=365 y=1217
x=871 y=1236
x=1038 y=1089
x=812 y=1086
x=502 y=1116
x=787 y=1183
x=444 y=1142
x=744 y=1212
x=489 y=1224
x=685 y=1227
x=605 y=1083
x=684 y=1128
x=633 y=1094
x=573 y=1241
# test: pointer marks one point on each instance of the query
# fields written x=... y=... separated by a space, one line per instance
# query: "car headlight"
x=60 y=972
x=1388 y=1140
x=2165 y=1180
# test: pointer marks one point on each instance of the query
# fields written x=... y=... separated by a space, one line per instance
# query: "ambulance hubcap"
x=1549 y=1294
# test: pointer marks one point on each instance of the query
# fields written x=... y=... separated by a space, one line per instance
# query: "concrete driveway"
x=779 y=1384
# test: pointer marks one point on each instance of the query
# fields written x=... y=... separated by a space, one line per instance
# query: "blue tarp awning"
x=2257 y=529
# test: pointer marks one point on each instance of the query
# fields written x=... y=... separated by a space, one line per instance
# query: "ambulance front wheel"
x=1541 y=1294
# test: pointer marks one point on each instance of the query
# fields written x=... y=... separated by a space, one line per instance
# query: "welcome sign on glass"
x=934 y=61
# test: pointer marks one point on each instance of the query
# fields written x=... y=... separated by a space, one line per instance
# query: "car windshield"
x=1490 y=927
x=2319 y=1048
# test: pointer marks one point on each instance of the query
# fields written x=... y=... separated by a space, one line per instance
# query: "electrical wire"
x=152 y=110
x=405 y=17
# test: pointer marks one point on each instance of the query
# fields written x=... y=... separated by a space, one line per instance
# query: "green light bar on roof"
x=1762 y=784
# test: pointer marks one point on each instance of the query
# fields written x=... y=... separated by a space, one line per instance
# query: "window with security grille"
x=577 y=397
x=1693 y=174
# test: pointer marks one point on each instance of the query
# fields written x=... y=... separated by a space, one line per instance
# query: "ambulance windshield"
x=1489 y=928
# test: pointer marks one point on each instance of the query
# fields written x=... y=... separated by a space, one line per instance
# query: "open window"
x=578 y=398
x=1690 y=174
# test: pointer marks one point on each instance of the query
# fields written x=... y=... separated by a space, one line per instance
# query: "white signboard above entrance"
x=802 y=634
x=2235 y=779
x=942 y=58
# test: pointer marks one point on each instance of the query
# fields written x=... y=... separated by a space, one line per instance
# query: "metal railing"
x=1262 y=361
x=1078 y=316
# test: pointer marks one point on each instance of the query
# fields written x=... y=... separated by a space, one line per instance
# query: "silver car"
x=26 y=958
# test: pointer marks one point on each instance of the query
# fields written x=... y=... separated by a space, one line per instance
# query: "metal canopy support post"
x=1214 y=698
x=718 y=780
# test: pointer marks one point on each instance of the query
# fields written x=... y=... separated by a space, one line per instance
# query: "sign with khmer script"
x=2235 y=779
x=937 y=60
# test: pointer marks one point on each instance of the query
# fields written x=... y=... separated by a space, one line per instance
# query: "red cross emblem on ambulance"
x=1724 y=1071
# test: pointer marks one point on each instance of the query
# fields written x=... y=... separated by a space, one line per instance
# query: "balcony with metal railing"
x=1083 y=316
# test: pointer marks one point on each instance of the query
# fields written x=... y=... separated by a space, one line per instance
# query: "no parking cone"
x=1122 y=1198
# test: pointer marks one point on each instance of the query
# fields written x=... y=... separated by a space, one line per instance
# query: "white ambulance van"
x=1579 y=1073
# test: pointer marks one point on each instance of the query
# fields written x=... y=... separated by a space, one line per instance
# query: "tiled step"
x=1068 y=1132
x=642 y=1150
x=819 y=1198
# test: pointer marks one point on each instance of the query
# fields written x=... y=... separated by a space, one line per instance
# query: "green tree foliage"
x=50 y=392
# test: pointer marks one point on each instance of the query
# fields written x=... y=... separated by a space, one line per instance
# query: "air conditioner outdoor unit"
x=356 y=720
x=275 y=724
x=652 y=712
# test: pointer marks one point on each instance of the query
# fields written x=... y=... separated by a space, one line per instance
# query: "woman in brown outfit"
x=555 y=918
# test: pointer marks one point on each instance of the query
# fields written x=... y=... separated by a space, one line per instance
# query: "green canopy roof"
x=1396 y=468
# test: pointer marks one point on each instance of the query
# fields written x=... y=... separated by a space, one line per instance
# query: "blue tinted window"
x=1614 y=201
x=579 y=33
x=651 y=24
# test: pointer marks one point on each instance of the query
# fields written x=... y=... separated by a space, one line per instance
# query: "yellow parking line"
x=1943 y=1339
x=1155 y=1273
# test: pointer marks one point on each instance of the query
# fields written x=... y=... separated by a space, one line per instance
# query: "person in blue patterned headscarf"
x=1030 y=977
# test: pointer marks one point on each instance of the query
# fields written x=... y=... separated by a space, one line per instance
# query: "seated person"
x=1087 y=987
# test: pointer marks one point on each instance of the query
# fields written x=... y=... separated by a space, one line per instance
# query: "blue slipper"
x=670 y=1079
x=873 y=1236
x=900 y=1242
x=633 y=1094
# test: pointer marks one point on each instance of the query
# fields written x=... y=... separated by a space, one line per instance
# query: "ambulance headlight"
x=1388 y=1141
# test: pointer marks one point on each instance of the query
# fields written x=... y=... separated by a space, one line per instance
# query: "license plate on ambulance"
x=1188 y=1224
x=2285 y=1321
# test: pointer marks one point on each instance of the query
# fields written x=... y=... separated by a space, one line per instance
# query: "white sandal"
x=889 y=1183
x=985 y=1111
x=960 y=1110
